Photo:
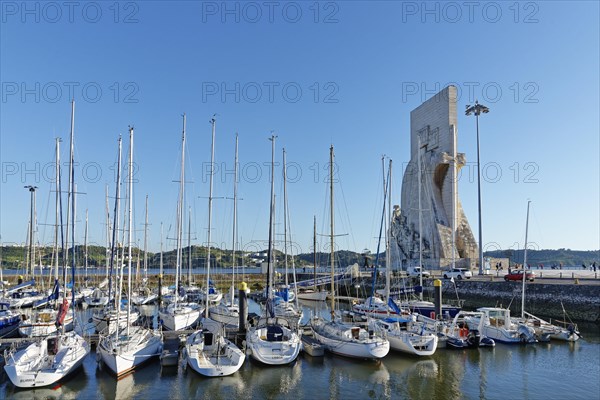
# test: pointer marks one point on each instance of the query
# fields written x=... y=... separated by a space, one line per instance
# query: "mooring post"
x=437 y=298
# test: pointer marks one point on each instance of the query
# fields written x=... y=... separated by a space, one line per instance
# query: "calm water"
x=555 y=370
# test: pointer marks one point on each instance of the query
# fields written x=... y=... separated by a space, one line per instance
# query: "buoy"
x=577 y=281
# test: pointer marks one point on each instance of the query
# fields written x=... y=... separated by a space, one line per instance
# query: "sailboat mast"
x=454 y=193
x=381 y=225
x=146 y=243
x=190 y=246
x=85 y=243
x=107 y=233
x=31 y=264
x=388 y=256
x=72 y=188
x=129 y=225
x=234 y=247
x=525 y=262
x=270 y=265
x=57 y=208
x=113 y=247
x=69 y=191
x=315 y=253
x=420 y=219
x=213 y=122
x=285 y=227
x=180 y=212
x=331 y=231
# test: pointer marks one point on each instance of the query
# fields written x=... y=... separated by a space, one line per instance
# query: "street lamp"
x=31 y=224
x=478 y=109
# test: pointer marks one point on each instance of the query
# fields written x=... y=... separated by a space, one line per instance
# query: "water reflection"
x=273 y=381
x=227 y=387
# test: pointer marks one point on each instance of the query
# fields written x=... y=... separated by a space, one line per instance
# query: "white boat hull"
x=126 y=353
x=225 y=314
x=312 y=295
x=219 y=358
x=338 y=339
x=180 y=317
x=264 y=348
x=36 y=366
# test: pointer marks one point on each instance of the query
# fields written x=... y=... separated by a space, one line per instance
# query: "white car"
x=416 y=271
x=458 y=273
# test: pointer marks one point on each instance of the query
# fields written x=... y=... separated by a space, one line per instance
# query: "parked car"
x=518 y=275
x=458 y=273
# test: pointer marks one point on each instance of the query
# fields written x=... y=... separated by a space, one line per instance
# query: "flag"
x=452 y=279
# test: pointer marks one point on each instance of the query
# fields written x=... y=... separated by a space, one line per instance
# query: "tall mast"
x=213 y=122
x=70 y=191
x=315 y=252
x=107 y=233
x=270 y=265
x=190 y=246
x=420 y=219
x=235 y=179
x=113 y=247
x=454 y=192
x=285 y=228
x=331 y=231
x=129 y=225
x=57 y=209
x=525 y=262
x=380 y=229
x=31 y=266
x=85 y=244
x=146 y=243
x=388 y=256
x=180 y=212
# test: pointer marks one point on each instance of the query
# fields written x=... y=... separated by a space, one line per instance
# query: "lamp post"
x=31 y=225
x=478 y=109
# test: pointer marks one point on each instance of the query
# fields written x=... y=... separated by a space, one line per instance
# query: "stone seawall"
x=581 y=302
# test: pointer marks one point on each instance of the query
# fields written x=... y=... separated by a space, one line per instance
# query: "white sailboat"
x=108 y=319
x=272 y=341
x=386 y=318
x=336 y=336
x=123 y=351
x=51 y=358
x=544 y=330
x=208 y=351
x=179 y=315
x=227 y=311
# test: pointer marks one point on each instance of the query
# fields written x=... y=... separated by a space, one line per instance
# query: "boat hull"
x=333 y=338
x=126 y=355
x=34 y=367
x=273 y=352
x=178 y=318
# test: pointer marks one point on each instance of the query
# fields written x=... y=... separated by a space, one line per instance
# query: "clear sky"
x=343 y=73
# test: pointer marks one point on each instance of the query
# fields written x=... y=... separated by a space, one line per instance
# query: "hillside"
x=15 y=257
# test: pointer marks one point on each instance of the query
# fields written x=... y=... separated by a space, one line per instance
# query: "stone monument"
x=433 y=137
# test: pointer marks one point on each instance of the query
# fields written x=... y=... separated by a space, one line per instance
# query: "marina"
x=448 y=374
x=324 y=200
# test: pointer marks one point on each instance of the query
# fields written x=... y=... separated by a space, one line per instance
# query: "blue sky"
x=317 y=74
